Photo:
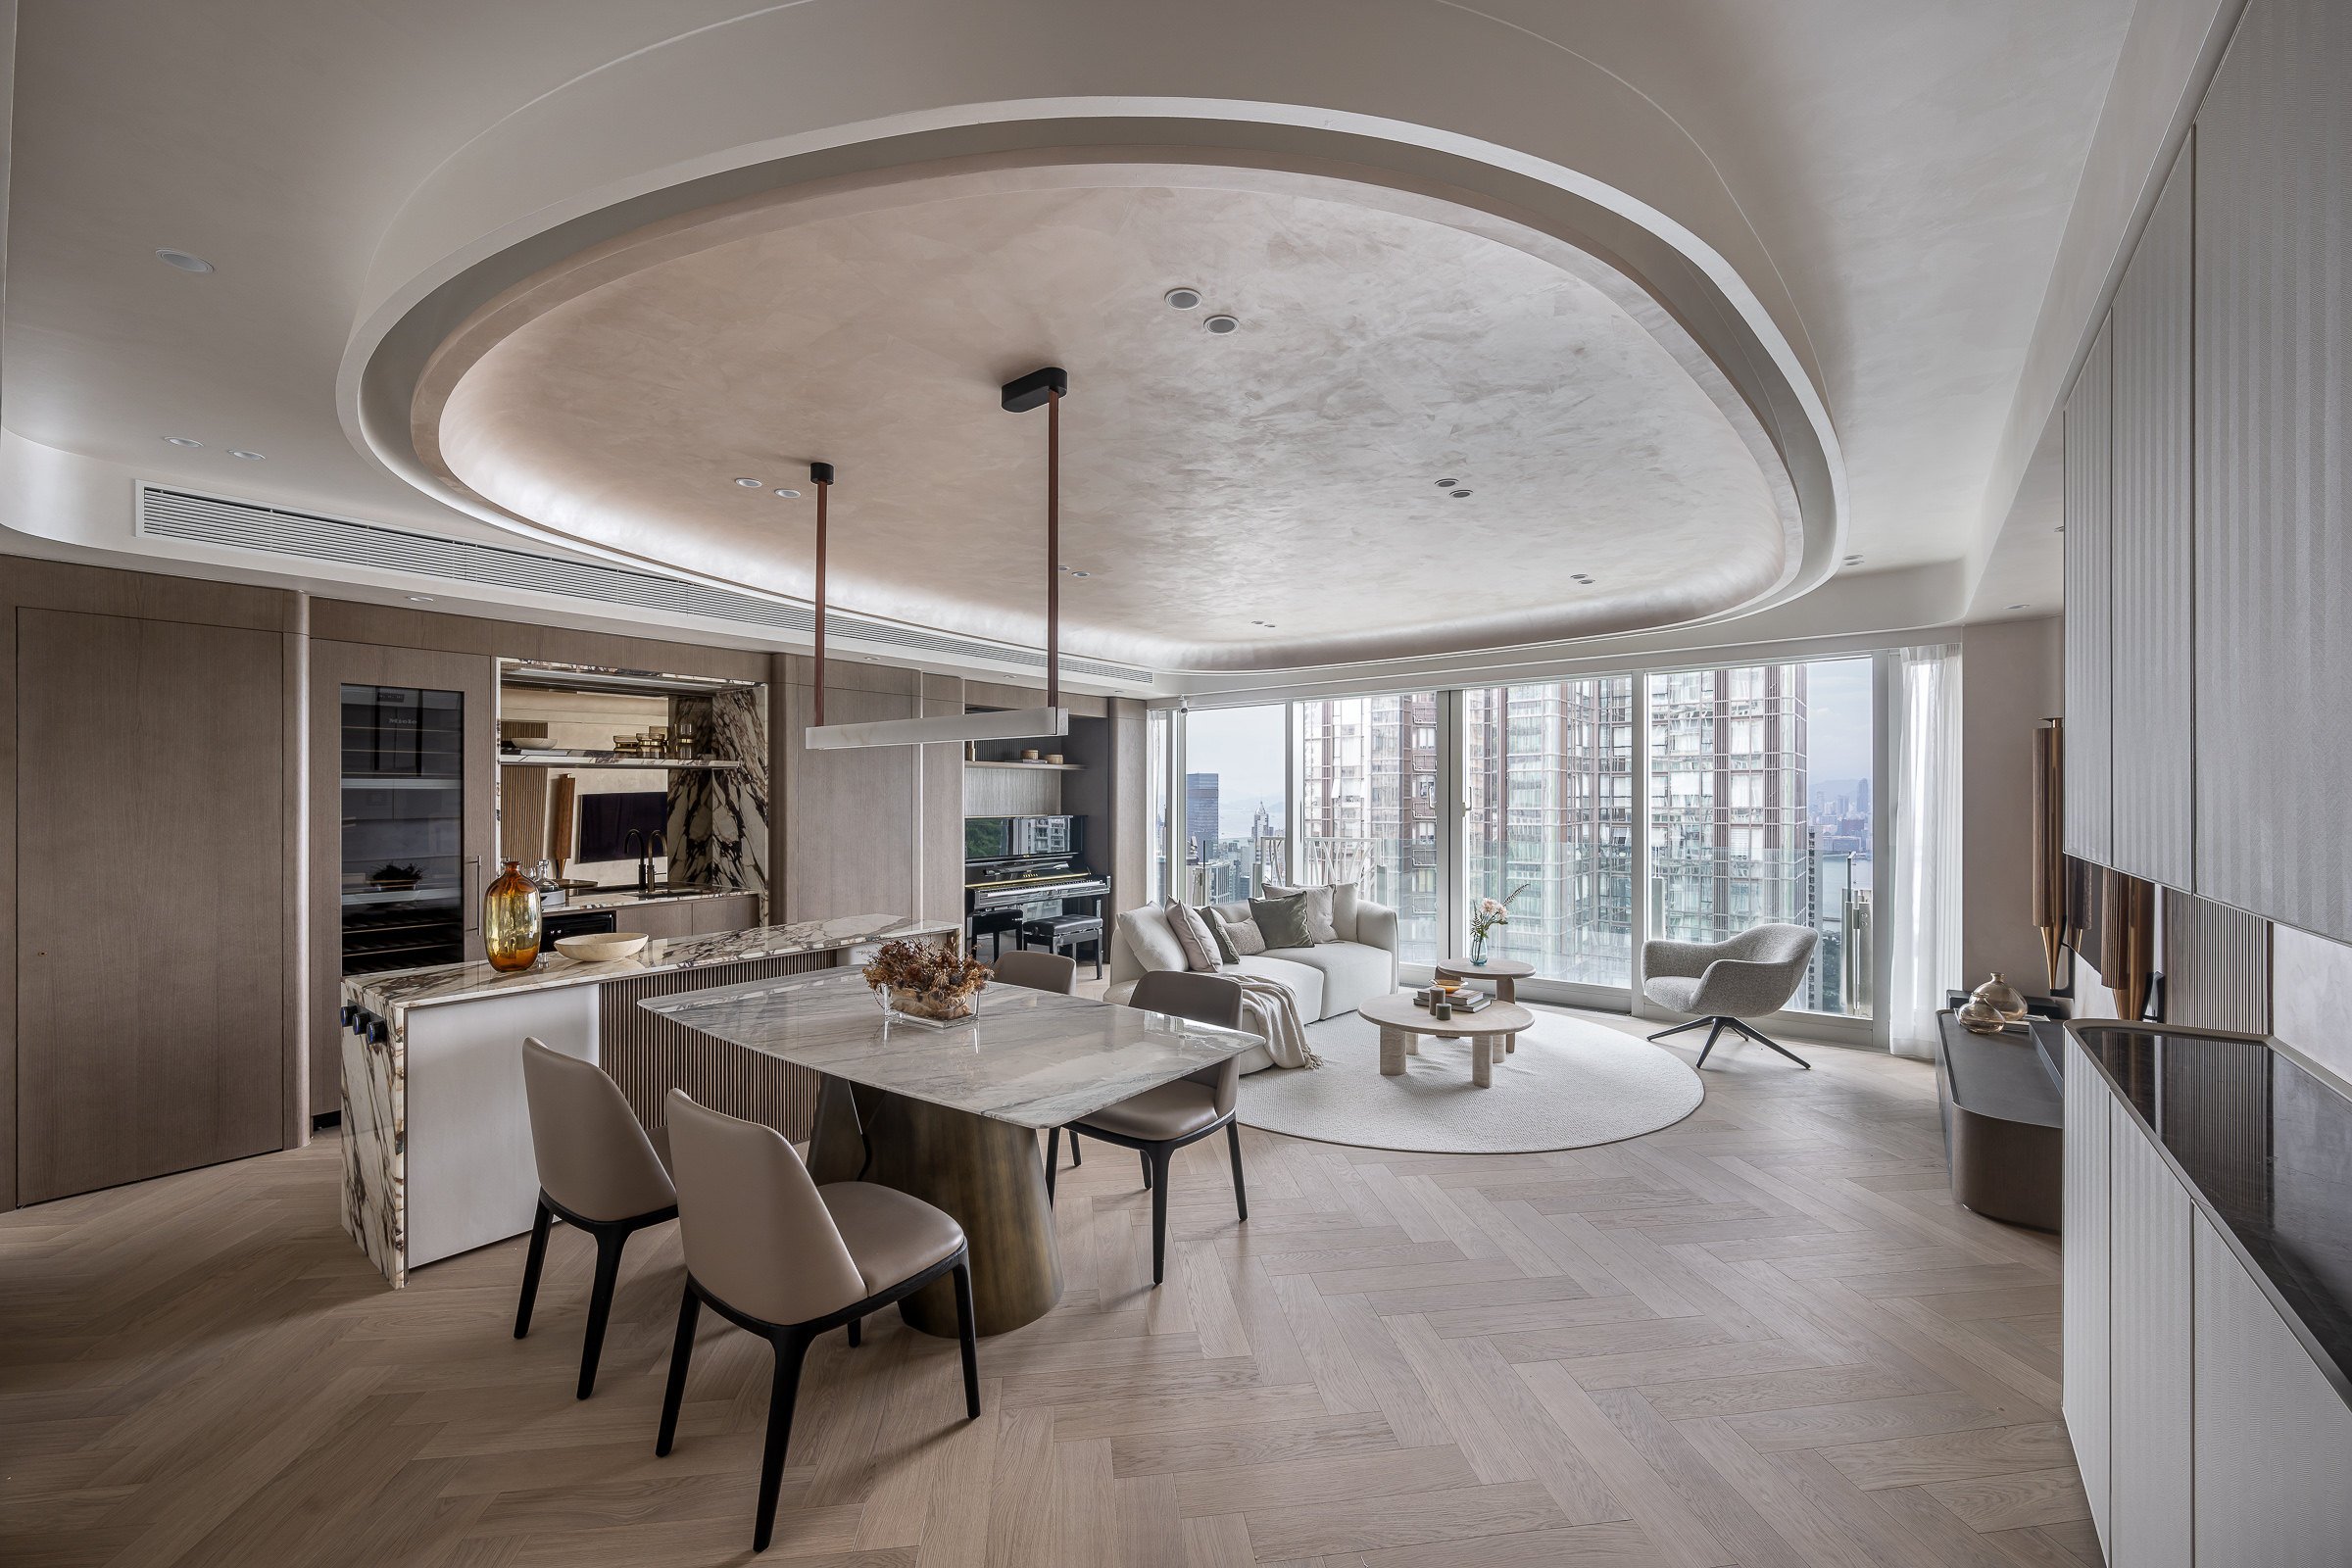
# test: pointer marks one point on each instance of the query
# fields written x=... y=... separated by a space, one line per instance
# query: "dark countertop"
x=2265 y=1148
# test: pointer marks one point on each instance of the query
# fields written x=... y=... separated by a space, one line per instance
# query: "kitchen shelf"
x=541 y=756
x=1034 y=768
x=400 y=781
x=436 y=894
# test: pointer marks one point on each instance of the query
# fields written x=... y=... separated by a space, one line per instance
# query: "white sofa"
x=1324 y=980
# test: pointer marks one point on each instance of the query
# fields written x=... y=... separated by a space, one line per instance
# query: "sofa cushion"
x=1219 y=933
x=1242 y=935
x=1148 y=938
x=1352 y=973
x=1193 y=934
x=1282 y=921
x=1331 y=910
x=1304 y=981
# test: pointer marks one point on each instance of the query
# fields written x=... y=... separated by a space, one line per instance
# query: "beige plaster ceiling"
x=1284 y=474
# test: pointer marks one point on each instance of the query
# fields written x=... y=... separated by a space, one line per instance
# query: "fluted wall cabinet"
x=2083 y=1275
x=2089 y=651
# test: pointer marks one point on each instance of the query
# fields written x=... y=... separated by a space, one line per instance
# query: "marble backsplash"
x=718 y=818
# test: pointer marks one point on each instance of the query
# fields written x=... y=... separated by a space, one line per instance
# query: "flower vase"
x=1477 y=949
x=511 y=927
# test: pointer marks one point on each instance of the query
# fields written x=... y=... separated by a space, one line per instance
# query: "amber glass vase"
x=511 y=920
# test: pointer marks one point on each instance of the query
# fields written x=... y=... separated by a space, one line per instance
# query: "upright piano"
x=1019 y=868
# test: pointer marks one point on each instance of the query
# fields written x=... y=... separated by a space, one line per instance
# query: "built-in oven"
x=1000 y=838
x=557 y=924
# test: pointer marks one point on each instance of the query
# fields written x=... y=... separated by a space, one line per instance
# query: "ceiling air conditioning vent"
x=167 y=514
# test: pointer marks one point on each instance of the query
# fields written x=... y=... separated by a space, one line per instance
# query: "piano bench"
x=1057 y=933
x=994 y=924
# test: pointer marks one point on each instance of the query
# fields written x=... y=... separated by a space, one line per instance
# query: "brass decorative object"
x=2127 y=943
x=2057 y=916
x=511 y=920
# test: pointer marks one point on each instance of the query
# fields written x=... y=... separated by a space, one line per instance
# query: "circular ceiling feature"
x=184 y=441
x=788 y=495
x=185 y=260
x=248 y=457
x=1183 y=299
x=875 y=318
x=1222 y=324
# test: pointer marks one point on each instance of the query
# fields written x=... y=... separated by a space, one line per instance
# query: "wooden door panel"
x=151 y=948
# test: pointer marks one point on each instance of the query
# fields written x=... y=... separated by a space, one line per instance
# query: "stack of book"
x=1464 y=999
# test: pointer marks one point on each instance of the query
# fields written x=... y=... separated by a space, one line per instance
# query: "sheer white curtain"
x=1921 y=917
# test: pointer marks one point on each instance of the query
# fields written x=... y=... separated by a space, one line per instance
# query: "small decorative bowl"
x=601 y=946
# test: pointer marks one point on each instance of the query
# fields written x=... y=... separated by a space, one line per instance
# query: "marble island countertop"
x=390 y=996
x=623 y=898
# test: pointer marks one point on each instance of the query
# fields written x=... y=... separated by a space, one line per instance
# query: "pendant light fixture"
x=1045 y=389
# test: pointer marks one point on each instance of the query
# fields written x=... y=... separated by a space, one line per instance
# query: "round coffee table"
x=1401 y=1025
x=1506 y=974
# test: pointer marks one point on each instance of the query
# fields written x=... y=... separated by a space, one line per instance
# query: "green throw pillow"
x=1216 y=929
x=1281 y=920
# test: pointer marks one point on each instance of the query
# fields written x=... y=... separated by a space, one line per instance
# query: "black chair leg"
x=1146 y=1159
x=600 y=1303
x=1682 y=1028
x=681 y=1353
x=1157 y=1162
x=1233 y=1144
x=1712 y=1035
x=1077 y=1158
x=531 y=1264
x=782 y=1396
x=967 y=1333
x=855 y=1324
x=1053 y=1159
x=1766 y=1040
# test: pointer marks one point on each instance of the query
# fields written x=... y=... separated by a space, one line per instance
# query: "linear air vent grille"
x=274 y=530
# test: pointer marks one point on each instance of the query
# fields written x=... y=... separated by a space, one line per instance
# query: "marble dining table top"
x=1032 y=1057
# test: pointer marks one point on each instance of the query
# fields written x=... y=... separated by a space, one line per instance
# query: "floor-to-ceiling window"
x=1366 y=770
x=1159 y=753
x=1547 y=823
x=1235 y=802
x=1760 y=782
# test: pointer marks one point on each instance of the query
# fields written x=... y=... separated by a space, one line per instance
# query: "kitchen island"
x=436 y=1135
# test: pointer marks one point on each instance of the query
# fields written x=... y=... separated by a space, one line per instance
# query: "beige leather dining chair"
x=1037 y=971
x=771 y=1252
x=1159 y=1121
x=598 y=1171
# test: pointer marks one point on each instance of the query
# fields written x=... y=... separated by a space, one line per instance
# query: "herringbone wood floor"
x=1764 y=1336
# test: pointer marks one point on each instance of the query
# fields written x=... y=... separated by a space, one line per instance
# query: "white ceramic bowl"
x=601 y=946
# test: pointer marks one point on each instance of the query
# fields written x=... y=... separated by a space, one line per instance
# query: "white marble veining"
x=629 y=897
x=1031 y=1057
x=375 y=1130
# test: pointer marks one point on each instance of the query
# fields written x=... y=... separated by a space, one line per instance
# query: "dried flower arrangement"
x=930 y=980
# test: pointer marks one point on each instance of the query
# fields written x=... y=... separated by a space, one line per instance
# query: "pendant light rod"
x=1048 y=387
x=820 y=475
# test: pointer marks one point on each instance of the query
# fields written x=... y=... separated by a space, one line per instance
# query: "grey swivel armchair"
x=1750 y=976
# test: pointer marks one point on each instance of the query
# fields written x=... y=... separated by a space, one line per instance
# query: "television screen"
x=605 y=821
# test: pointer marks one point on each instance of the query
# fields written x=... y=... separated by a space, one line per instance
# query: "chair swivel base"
x=1722 y=1022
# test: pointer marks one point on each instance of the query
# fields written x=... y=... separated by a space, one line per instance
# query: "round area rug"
x=1569 y=1084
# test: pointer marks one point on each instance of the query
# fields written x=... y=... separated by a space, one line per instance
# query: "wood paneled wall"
x=210 y=913
x=649 y=1056
x=2089 y=706
x=2274 y=467
x=2148 y=531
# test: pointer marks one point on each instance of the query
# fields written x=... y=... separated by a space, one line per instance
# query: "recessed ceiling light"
x=247 y=457
x=751 y=484
x=1082 y=574
x=420 y=599
x=184 y=441
x=2020 y=606
x=1183 y=299
x=1853 y=561
x=1222 y=324
x=1457 y=494
x=1447 y=484
x=185 y=260
x=790 y=495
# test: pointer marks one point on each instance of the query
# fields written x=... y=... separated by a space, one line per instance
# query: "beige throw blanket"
x=1268 y=1009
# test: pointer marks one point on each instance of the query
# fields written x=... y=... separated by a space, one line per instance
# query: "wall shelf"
x=1034 y=768
x=550 y=759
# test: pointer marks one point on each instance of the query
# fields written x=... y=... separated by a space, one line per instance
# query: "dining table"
x=950 y=1112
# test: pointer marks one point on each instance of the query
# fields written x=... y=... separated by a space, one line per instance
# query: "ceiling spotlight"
x=185 y=260
x=751 y=484
x=2020 y=606
x=1082 y=574
x=1447 y=484
x=420 y=599
x=1182 y=299
x=1853 y=561
x=1222 y=324
x=1457 y=494
x=247 y=457
x=790 y=495
x=183 y=441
